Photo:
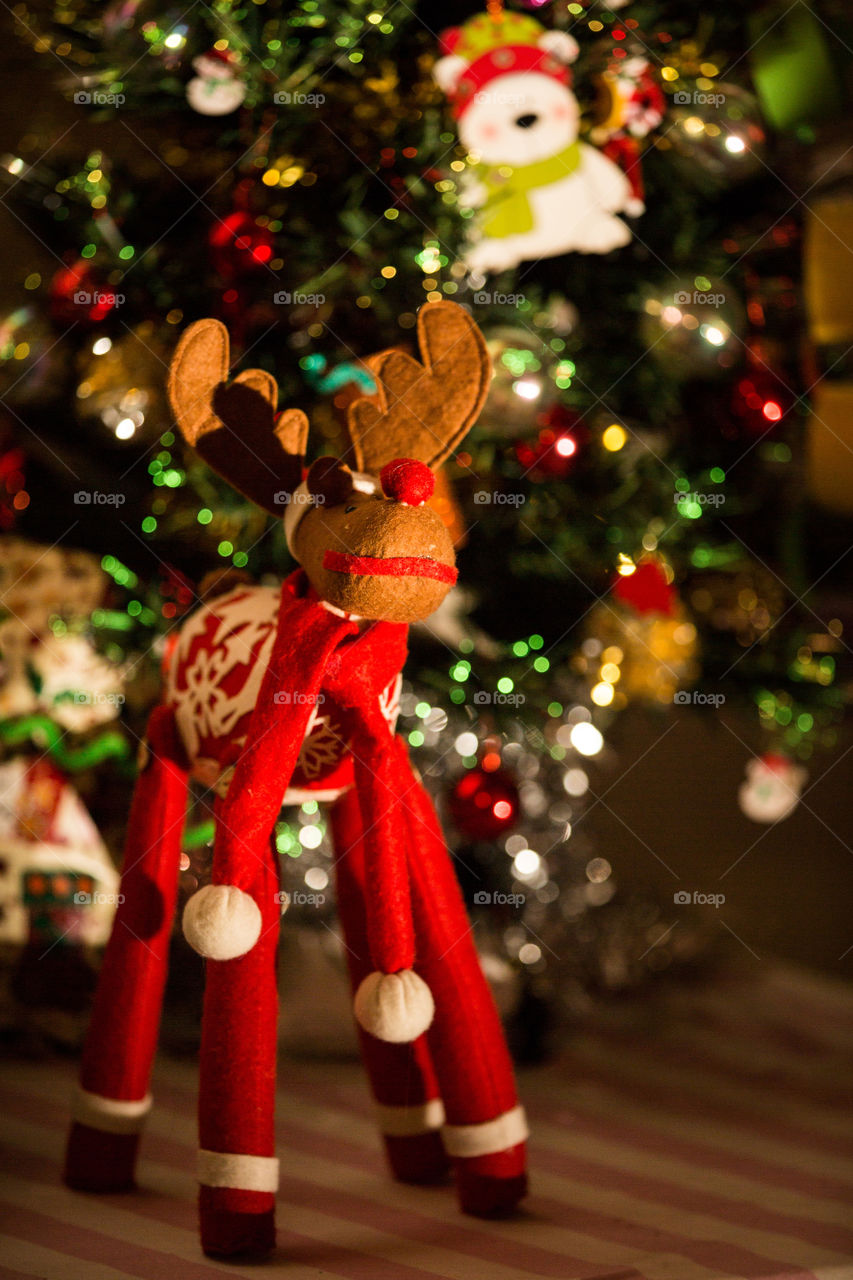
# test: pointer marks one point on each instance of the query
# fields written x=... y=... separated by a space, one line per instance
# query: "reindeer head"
x=364 y=535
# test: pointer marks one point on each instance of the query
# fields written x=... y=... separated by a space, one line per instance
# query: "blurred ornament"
x=74 y=684
x=553 y=451
x=646 y=590
x=539 y=191
x=44 y=667
x=523 y=383
x=217 y=88
x=239 y=245
x=772 y=788
x=719 y=130
x=78 y=295
x=32 y=362
x=350 y=373
x=121 y=386
x=695 y=328
x=484 y=804
x=57 y=900
x=631 y=104
x=39 y=582
x=637 y=102
x=52 y=858
x=643 y=645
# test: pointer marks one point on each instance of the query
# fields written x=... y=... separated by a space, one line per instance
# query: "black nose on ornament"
x=527 y=122
x=407 y=481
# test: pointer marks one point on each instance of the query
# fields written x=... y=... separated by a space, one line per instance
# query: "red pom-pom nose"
x=407 y=481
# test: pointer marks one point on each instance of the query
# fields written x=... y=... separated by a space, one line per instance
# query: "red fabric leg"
x=237 y=1089
x=402 y=1078
x=122 y=1036
x=466 y=1038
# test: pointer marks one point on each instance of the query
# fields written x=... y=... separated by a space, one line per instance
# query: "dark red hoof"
x=99 y=1161
x=236 y=1223
x=418 y=1158
x=491 y=1186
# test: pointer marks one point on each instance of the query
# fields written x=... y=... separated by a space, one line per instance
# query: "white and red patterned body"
x=212 y=681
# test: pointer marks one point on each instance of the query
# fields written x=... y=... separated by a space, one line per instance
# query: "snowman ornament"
x=540 y=190
x=216 y=89
x=772 y=788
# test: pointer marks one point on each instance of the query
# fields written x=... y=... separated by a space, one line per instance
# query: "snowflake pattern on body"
x=216 y=671
x=213 y=681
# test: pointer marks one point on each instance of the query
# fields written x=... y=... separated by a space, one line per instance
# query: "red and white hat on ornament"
x=498 y=44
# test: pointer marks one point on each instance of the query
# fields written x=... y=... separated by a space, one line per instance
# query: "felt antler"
x=234 y=428
x=423 y=411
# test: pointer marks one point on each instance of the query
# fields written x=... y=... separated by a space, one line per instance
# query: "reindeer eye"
x=347 y=510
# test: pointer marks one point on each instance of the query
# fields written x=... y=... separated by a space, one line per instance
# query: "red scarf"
x=318 y=652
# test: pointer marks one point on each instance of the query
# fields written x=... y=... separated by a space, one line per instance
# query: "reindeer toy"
x=271 y=694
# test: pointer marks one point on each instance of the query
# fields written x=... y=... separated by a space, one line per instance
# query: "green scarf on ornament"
x=507 y=211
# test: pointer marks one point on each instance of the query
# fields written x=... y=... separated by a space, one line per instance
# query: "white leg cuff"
x=404 y=1122
x=246 y=1173
x=484 y=1139
x=111 y=1115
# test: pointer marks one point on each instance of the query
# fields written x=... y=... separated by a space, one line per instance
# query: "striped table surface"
x=705 y=1135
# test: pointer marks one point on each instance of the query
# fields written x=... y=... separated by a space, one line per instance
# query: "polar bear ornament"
x=540 y=191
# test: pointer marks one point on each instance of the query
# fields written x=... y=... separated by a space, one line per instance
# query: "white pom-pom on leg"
x=221 y=922
x=396 y=1007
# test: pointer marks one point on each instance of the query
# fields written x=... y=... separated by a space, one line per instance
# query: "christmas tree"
x=653 y=508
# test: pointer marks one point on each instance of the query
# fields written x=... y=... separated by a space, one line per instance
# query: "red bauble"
x=646 y=590
x=552 y=452
x=239 y=245
x=78 y=296
x=484 y=805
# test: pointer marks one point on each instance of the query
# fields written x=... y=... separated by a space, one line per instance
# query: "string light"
x=602 y=694
x=575 y=782
x=586 y=739
x=614 y=437
x=526 y=862
x=310 y=837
